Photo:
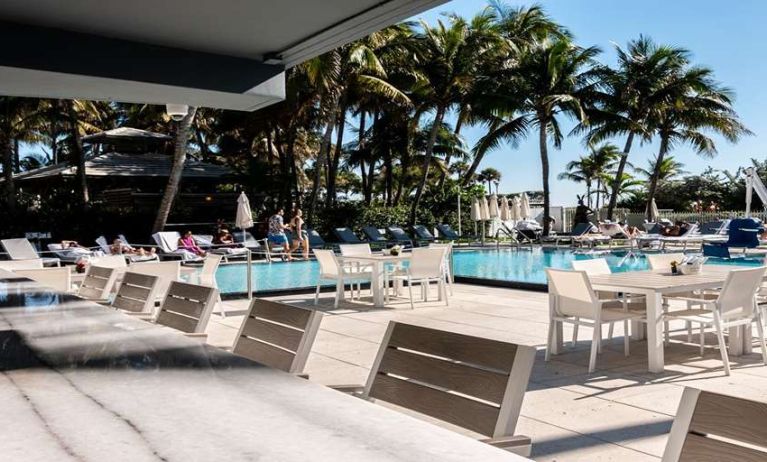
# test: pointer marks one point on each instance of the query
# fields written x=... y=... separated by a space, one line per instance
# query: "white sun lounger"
x=22 y=249
x=167 y=241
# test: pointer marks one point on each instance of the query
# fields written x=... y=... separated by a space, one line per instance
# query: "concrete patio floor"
x=620 y=413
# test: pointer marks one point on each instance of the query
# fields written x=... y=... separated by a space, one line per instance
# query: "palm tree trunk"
x=619 y=175
x=331 y=198
x=16 y=157
x=176 y=171
x=78 y=151
x=653 y=188
x=588 y=193
x=599 y=191
x=7 y=153
x=542 y=140
x=426 y=163
x=449 y=156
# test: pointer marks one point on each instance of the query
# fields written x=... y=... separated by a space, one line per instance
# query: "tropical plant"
x=490 y=175
x=669 y=169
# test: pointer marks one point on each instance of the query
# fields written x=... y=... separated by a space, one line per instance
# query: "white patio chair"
x=735 y=306
x=22 y=249
x=599 y=266
x=330 y=269
x=167 y=271
x=110 y=261
x=98 y=283
x=352 y=250
x=578 y=304
x=448 y=262
x=137 y=295
x=427 y=265
x=187 y=307
x=13 y=265
x=278 y=335
x=207 y=277
x=59 y=279
x=662 y=262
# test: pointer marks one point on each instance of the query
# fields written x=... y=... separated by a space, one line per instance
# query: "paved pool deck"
x=619 y=413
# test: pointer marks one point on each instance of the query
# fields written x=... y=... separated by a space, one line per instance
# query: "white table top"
x=83 y=382
x=664 y=281
x=377 y=257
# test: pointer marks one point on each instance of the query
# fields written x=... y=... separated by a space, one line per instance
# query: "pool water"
x=525 y=266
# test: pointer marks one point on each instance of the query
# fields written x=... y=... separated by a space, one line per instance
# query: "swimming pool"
x=509 y=265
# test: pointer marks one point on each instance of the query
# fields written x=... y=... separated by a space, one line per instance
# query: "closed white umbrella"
x=494 y=211
x=476 y=210
x=516 y=211
x=524 y=207
x=505 y=211
x=485 y=209
x=653 y=210
x=244 y=218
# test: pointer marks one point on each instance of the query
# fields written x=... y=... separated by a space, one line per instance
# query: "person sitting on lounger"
x=300 y=237
x=224 y=238
x=277 y=235
x=678 y=229
x=188 y=243
x=119 y=247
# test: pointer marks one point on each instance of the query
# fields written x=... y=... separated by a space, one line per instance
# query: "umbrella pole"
x=459 y=215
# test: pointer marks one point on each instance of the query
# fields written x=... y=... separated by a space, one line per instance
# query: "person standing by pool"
x=300 y=237
x=276 y=233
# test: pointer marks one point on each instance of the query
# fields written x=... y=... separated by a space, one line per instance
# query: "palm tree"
x=16 y=119
x=448 y=58
x=668 y=170
x=638 y=86
x=627 y=186
x=555 y=77
x=176 y=171
x=490 y=175
x=700 y=105
x=580 y=171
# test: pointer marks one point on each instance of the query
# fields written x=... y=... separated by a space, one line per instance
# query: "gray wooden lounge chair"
x=471 y=382
x=278 y=335
x=347 y=236
x=98 y=283
x=715 y=427
x=137 y=294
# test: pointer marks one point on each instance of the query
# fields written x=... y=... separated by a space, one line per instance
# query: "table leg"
x=655 y=332
x=739 y=340
x=556 y=347
x=376 y=284
x=748 y=337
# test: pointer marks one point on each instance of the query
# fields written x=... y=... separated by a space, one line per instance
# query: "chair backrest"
x=110 y=261
x=374 y=234
x=581 y=228
x=592 y=266
x=203 y=240
x=447 y=231
x=423 y=233
x=209 y=268
x=744 y=232
x=712 y=227
x=427 y=262
x=315 y=240
x=715 y=250
x=247 y=240
x=471 y=382
x=137 y=293
x=13 y=265
x=278 y=335
x=712 y=426
x=167 y=271
x=662 y=261
x=355 y=249
x=575 y=297
x=327 y=261
x=98 y=282
x=19 y=249
x=59 y=278
x=167 y=240
x=398 y=234
x=736 y=299
x=187 y=307
x=103 y=244
x=346 y=235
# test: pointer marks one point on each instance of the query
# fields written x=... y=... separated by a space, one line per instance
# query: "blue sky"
x=726 y=36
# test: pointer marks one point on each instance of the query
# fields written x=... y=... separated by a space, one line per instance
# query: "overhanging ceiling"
x=227 y=54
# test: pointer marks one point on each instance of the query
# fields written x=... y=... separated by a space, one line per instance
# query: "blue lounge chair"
x=743 y=234
x=315 y=240
x=347 y=236
x=400 y=236
x=446 y=231
x=422 y=234
x=374 y=235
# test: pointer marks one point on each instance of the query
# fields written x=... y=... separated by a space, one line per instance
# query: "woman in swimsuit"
x=299 y=234
x=188 y=243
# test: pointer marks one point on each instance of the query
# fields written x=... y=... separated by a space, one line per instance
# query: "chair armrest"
x=701 y=301
x=197 y=335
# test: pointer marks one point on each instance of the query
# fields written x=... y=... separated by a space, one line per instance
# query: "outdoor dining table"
x=377 y=263
x=81 y=381
x=655 y=285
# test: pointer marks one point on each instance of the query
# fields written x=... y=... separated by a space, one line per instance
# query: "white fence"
x=636 y=219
